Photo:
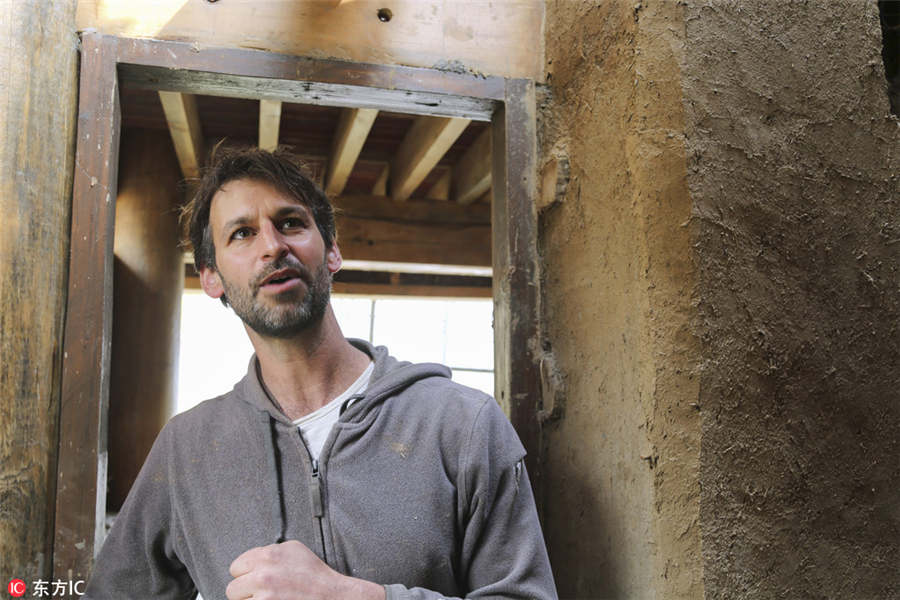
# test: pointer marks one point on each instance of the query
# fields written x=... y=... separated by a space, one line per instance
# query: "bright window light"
x=215 y=350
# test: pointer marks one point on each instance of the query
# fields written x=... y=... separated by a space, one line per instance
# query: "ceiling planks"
x=184 y=125
x=425 y=144
x=352 y=131
x=472 y=174
x=269 y=123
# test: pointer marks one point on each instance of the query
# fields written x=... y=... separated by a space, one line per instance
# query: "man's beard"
x=289 y=315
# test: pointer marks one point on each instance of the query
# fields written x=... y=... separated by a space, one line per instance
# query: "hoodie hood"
x=389 y=377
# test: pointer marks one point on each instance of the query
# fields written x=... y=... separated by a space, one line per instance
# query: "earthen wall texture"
x=720 y=287
x=793 y=170
x=621 y=466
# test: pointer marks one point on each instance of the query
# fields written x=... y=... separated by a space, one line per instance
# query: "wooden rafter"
x=425 y=144
x=380 y=187
x=269 y=123
x=353 y=128
x=441 y=188
x=472 y=174
x=184 y=125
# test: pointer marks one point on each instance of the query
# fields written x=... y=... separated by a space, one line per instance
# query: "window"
x=215 y=349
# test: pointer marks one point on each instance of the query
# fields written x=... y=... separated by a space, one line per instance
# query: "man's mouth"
x=281 y=279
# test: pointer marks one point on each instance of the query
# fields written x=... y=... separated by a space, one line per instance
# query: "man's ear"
x=333 y=258
x=211 y=282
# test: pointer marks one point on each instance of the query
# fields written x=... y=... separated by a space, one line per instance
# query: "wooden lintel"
x=399 y=289
x=269 y=123
x=441 y=188
x=306 y=92
x=380 y=187
x=184 y=125
x=472 y=174
x=414 y=211
x=392 y=241
x=425 y=144
x=352 y=131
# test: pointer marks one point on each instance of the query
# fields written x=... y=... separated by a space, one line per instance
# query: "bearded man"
x=331 y=470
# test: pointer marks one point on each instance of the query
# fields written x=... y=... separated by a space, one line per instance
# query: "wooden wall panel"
x=496 y=38
x=149 y=278
x=37 y=129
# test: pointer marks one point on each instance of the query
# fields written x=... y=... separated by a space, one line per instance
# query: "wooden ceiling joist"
x=269 y=124
x=441 y=188
x=352 y=131
x=184 y=125
x=472 y=174
x=425 y=144
x=380 y=187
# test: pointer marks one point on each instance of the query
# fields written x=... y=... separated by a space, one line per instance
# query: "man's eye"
x=240 y=234
x=292 y=223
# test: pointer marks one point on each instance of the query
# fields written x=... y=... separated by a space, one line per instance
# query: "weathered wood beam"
x=517 y=360
x=416 y=268
x=472 y=173
x=393 y=241
x=184 y=125
x=380 y=187
x=39 y=91
x=352 y=131
x=441 y=188
x=269 y=123
x=287 y=86
x=483 y=36
x=425 y=144
x=400 y=289
x=81 y=472
x=416 y=211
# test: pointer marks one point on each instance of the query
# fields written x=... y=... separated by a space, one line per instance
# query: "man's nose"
x=272 y=242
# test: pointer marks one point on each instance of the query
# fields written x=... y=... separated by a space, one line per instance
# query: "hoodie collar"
x=389 y=377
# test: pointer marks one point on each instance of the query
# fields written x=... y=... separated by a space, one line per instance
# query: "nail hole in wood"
x=385 y=15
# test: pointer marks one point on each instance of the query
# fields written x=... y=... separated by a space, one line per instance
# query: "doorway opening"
x=110 y=65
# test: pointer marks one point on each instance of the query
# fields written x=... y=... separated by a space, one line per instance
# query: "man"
x=331 y=470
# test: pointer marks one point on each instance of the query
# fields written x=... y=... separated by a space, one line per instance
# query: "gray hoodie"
x=419 y=487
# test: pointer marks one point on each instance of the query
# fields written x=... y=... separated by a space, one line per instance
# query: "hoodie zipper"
x=318 y=508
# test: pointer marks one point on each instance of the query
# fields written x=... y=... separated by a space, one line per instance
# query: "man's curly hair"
x=280 y=168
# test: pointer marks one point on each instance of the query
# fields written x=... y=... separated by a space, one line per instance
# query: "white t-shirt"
x=316 y=426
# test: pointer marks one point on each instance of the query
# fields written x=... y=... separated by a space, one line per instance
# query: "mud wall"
x=720 y=296
x=793 y=166
x=621 y=490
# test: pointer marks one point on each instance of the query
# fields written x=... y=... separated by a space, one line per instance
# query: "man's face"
x=271 y=261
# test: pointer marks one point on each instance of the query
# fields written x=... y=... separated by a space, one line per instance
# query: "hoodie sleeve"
x=138 y=557
x=502 y=553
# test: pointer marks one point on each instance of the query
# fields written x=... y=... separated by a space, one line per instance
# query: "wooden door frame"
x=108 y=62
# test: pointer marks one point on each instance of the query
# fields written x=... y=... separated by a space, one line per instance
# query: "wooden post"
x=148 y=281
x=39 y=62
x=516 y=286
x=81 y=476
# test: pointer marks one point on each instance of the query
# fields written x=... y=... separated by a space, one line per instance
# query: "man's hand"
x=292 y=571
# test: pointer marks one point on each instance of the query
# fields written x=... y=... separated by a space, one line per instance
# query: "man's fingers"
x=239 y=589
x=244 y=563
